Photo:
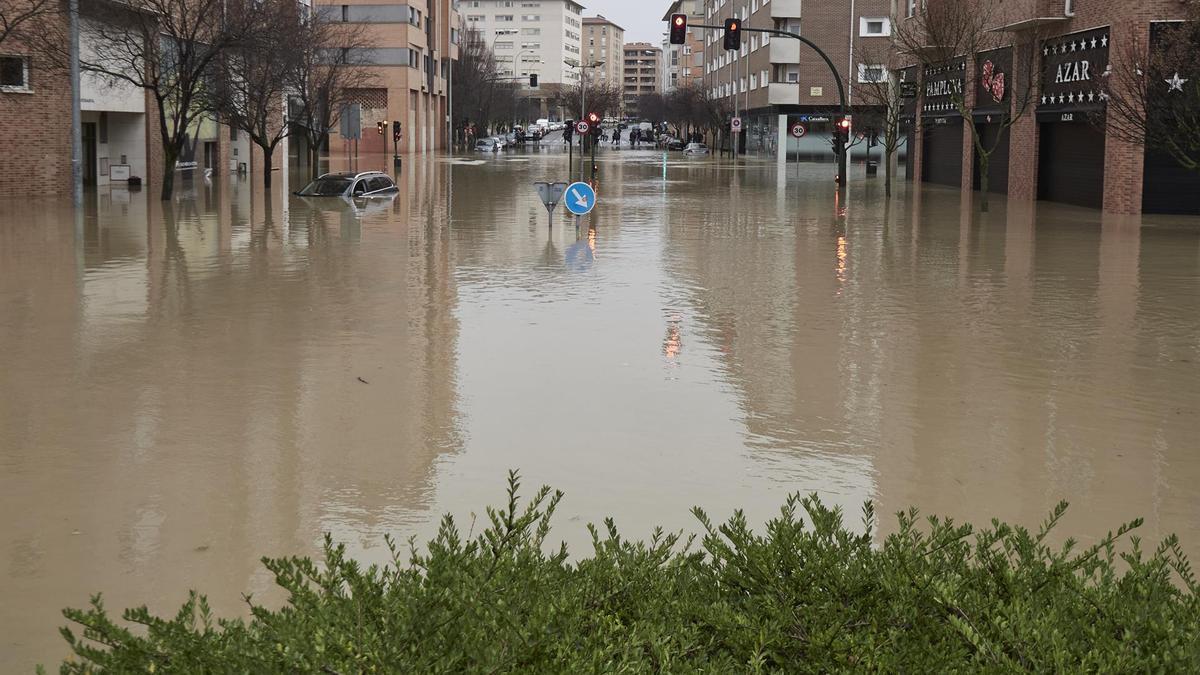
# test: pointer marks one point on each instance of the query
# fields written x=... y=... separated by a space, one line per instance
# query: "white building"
x=530 y=36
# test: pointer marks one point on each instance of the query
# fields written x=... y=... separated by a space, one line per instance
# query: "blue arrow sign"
x=580 y=198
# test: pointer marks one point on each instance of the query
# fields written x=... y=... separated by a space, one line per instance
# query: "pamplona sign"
x=1073 y=68
x=943 y=84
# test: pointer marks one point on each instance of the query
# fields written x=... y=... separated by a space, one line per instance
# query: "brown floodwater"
x=186 y=388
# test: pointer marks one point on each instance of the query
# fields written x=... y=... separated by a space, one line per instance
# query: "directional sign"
x=798 y=130
x=735 y=124
x=581 y=127
x=581 y=198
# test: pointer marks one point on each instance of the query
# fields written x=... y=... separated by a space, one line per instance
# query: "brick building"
x=642 y=69
x=774 y=82
x=603 y=41
x=1064 y=148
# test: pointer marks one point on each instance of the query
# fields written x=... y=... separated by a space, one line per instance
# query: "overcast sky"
x=641 y=19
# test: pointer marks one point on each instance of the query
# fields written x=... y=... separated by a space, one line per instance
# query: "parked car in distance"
x=343 y=184
x=556 y=126
x=500 y=141
x=533 y=133
x=486 y=145
x=695 y=149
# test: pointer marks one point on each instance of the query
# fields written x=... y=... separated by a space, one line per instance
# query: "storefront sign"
x=993 y=80
x=943 y=86
x=1073 y=68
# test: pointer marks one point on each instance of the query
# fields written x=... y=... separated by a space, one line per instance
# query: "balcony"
x=783 y=93
x=785 y=50
x=785 y=9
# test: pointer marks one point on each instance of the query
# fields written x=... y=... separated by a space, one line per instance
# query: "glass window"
x=871 y=72
x=14 y=73
x=326 y=187
x=874 y=26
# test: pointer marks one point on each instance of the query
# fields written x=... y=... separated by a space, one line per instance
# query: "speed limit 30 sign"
x=581 y=127
x=798 y=130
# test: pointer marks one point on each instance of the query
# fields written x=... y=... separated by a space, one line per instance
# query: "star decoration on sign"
x=1091 y=96
x=1071 y=97
x=1104 y=40
x=1045 y=51
x=1072 y=45
x=1093 y=43
x=1175 y=83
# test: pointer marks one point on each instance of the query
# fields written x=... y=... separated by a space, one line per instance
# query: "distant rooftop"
x=599 y=20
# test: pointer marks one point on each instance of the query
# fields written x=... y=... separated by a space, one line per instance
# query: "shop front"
x=942 y=142
x=993 y=84
x=1070 y=116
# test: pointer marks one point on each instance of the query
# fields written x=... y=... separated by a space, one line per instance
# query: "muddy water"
x=184 y=389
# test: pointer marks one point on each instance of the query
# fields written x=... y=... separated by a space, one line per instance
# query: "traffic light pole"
x=837 y=78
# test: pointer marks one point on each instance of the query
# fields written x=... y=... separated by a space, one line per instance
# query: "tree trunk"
x=983 y=182
x=168 y=177
x=267 y=166
x=887 y=171
x=314 y=159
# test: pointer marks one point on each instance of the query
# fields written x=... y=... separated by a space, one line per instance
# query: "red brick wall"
x=35 y=131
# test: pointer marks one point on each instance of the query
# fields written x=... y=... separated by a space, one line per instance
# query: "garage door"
x=942 y=157
x=1071 y=164
x=998 y=163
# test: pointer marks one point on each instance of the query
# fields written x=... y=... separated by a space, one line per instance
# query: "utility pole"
x=76 y=123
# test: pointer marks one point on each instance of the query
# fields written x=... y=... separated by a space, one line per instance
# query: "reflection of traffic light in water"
x=673 y=342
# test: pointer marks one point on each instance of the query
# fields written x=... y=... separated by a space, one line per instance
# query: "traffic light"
x=396 y=131
x=379 y=126
x=678 y=29
x=733 y=34
x=593 y=119
x=533 y=80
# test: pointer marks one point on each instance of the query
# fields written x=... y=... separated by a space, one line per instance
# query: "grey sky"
x=641 y=19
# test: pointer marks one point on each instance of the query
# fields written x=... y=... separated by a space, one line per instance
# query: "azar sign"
x=1073 y=66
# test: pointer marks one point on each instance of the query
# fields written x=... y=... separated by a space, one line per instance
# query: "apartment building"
x=774 y=82
x=1068 y=147
x=683 y=65
x=530 y=36
x=603 y=41
x=642 y=73
x=415 y=43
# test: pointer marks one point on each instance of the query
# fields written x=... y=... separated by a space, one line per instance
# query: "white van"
x=544 y=124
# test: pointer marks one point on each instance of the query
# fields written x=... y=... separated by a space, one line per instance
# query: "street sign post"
x=798 y=130
x=581 y=127
x=581 y=198
x=550 y=194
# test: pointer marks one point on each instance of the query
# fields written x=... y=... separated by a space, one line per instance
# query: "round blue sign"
x=580 y=198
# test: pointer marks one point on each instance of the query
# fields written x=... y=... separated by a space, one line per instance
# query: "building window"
x=14 y=73
x=531 y=31
x=531 y=17
x=414 y=16
x=912 y=8
x=455 y=36
x=505 y=44
x=414 y=58
x=504 y=17
x=871 y=73
x=474 y=18
x=874 y=26
x=1069 y=8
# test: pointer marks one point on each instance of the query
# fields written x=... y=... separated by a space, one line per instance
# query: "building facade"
x=683 y=65
x=642 y=71
x=603 y=40
x=530 y=36
x=776 y=82
x=1065 y=147
x=415 y=43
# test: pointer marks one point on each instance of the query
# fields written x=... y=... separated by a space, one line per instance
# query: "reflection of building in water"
x=193 y=403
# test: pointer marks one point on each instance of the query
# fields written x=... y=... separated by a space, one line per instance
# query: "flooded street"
x=184 y=389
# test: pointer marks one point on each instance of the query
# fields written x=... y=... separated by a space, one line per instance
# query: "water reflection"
x=189 y=386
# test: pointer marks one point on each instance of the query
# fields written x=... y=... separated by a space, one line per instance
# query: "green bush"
x=809 y=595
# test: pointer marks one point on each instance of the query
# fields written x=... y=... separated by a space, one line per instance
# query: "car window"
x=360 y=187
x=377 y=183
x=325 y=187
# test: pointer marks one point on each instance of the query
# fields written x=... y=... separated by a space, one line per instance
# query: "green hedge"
x=808 y=595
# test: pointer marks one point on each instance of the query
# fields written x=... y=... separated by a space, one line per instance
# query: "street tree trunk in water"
x=168 y=177
x=267 y=166
x=984 y=160
x=887 y=171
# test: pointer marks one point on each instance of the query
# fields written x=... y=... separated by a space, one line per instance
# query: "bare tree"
x=602 y=98
x=17 y=16
x=883 y=97
x=169 y=48
x=1153 y=91
x=475 y=80
x=949 y=32
x=255 y=76
x=330 y=68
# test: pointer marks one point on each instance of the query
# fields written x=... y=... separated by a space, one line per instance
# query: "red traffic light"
x=593 y=118
x=678 y=29
x=845 y=123
x=733 y=34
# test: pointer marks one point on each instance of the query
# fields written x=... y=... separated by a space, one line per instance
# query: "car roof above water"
x=347 y=174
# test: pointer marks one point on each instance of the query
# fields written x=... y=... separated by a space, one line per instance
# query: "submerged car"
x=486 y=145
x=345 y=184
x=695 y=149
